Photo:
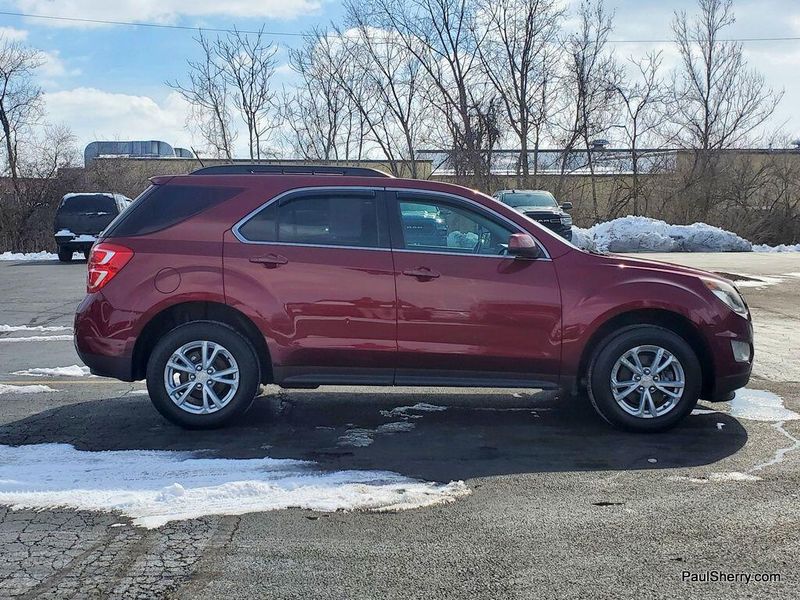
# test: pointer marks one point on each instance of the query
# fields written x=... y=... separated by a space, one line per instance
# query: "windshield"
x=414 y=207
x=516 y=199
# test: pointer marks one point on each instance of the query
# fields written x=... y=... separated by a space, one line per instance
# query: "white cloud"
x=165 y=11
x=12 y=34
x=54 y=66
x=95 y=114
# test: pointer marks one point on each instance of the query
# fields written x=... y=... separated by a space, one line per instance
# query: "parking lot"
x=560 y=505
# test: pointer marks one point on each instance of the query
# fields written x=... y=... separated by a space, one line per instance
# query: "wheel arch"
x=186 y=312
x=667 y=319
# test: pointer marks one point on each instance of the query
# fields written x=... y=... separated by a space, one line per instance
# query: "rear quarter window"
x=162 y=206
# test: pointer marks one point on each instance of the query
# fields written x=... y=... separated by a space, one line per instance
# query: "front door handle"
x=421 y=273
x=270 y=260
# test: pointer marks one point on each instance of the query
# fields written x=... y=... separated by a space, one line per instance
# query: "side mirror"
x=523 y=245
x=567 y=206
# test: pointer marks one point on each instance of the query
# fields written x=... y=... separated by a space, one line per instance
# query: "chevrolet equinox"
x=215 y=282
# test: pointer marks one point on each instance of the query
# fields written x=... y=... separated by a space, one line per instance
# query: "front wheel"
x=202 y=374
x=644 y=378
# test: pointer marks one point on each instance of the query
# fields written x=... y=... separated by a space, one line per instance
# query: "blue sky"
x=109 y=81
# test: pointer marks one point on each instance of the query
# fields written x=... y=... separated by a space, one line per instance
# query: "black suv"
x=80 y=217
x=541 y=206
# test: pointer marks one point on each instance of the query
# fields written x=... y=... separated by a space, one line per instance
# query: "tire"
x=625 y=410
x=64 y=255
x=199 y=409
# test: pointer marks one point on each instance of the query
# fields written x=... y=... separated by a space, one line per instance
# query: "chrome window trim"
x=328 y=188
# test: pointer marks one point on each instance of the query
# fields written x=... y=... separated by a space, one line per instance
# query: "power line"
x=300 y=34
x=141 y=24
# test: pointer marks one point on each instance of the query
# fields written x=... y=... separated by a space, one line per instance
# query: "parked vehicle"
x=80 y=217
x=213 y=283
x=542 y=207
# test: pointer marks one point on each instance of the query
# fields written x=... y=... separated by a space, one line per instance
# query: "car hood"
x=656 y=266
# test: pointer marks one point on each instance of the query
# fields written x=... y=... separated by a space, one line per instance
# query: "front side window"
x=319 y=219
x=436 y=225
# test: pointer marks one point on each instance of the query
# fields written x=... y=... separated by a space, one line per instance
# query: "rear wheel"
x=644 y=378
x=202 y=374
x=64 y=255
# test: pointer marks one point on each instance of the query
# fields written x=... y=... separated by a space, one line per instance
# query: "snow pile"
x=71 y=371
x=403 y=411
x=643 y=234
x=24 y=389
x=779 y=248
x=155 y=487
x=760 y=405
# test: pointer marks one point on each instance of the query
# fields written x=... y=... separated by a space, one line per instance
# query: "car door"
x=467 y=312
x=316 y=267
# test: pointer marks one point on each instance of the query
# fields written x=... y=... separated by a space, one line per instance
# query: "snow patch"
x=778 y=248
x=37 y=338
x=760 y=405
x=24 y=389
x=717 y=477
x=71 y=371
x=402 y=411
x=24 y=256
x=357 y=438
x=12 y=328
x=156 y=487
x=396 y=427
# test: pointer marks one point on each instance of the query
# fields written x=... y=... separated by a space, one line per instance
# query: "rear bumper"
x=117 y=367
x=106 y=347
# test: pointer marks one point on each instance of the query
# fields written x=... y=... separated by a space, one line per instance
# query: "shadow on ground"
x=477 y=435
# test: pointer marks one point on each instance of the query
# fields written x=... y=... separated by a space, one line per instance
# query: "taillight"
x=105 y=261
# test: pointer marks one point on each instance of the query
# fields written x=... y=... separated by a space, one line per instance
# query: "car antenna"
x=197 y=156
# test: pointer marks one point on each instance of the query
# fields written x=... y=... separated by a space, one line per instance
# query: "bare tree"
x=389 y=86
x=588 y=82
x=444 y=36
x=720 y=101
x=26 y=217
x=324 y=124
x=248 y=66
x=20 y=99
x=519 y=57
x=208 y=92
x=643 y=98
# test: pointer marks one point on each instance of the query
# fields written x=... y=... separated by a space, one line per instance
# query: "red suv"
x=213 y=283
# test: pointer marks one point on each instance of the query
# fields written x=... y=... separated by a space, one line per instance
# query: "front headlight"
x=566 y=220
x=728 y=294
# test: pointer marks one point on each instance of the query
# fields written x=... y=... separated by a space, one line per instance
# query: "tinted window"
x=451 y=228
x=324 y=219
x=163 y=206
x=88 y=203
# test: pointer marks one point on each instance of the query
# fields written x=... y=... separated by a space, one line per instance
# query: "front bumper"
x=564 y=231
x=730 y=372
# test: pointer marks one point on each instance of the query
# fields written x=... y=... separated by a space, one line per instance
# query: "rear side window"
x=163 y=206
x=319 y=219
x=88 y=204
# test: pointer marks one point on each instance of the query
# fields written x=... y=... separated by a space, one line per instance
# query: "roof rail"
x=258 y=169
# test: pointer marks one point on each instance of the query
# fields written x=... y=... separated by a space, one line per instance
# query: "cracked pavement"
x=562 y=506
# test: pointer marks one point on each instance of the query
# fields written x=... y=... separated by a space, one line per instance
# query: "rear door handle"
x=421 y=273
x=270 y=260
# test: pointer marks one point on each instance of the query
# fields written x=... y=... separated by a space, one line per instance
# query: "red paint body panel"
x=332 y=314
